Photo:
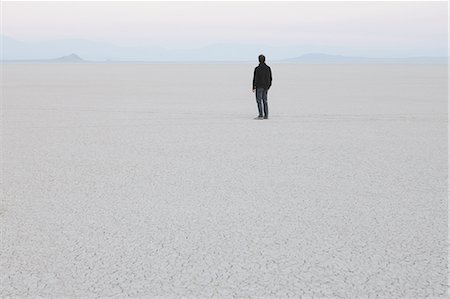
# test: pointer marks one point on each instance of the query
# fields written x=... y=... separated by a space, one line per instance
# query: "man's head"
x=261 y=58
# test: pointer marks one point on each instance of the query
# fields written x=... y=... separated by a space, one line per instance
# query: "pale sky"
x=386 y=26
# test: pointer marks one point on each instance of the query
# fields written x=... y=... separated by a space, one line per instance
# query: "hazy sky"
x=387 y=27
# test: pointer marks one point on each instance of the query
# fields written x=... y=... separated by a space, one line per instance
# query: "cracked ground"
x=118 y=181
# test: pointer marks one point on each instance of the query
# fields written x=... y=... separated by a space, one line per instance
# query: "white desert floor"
x=154 y=180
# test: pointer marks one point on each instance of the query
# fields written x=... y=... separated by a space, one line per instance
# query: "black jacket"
x=262 y=77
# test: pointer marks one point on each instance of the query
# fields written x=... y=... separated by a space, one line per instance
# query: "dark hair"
x=261 y=58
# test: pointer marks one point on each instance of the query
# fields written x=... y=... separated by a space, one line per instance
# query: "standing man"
x=262 y=80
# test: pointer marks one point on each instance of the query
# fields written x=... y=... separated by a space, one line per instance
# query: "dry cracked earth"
x=114 y=185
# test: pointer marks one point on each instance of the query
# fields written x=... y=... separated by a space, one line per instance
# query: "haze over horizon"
x=235 y=30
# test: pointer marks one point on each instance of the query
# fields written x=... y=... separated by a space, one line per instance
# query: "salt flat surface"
x=154 y=180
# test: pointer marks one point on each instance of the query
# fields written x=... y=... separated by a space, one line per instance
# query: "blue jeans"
x=261 y=101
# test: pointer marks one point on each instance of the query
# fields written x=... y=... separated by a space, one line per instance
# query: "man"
x=262 y=80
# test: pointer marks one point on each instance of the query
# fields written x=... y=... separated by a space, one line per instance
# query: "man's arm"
x=270 y=78
x=254 y=80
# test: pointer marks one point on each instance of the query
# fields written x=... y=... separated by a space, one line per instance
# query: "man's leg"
x=259 y=100
x=266 y=107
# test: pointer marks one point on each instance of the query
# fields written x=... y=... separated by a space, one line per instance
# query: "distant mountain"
x=13 y=49
x=69 y=58
x=45 y=51
x=321 y=58
x=72 y=58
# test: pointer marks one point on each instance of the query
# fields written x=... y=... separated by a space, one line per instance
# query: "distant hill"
x=99 y=52
x=72 y=58
x=313 y=58
x=69 y=58
x=321 y=58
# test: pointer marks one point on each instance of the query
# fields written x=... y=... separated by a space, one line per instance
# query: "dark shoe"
x=258 y=117
x=266 y=117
